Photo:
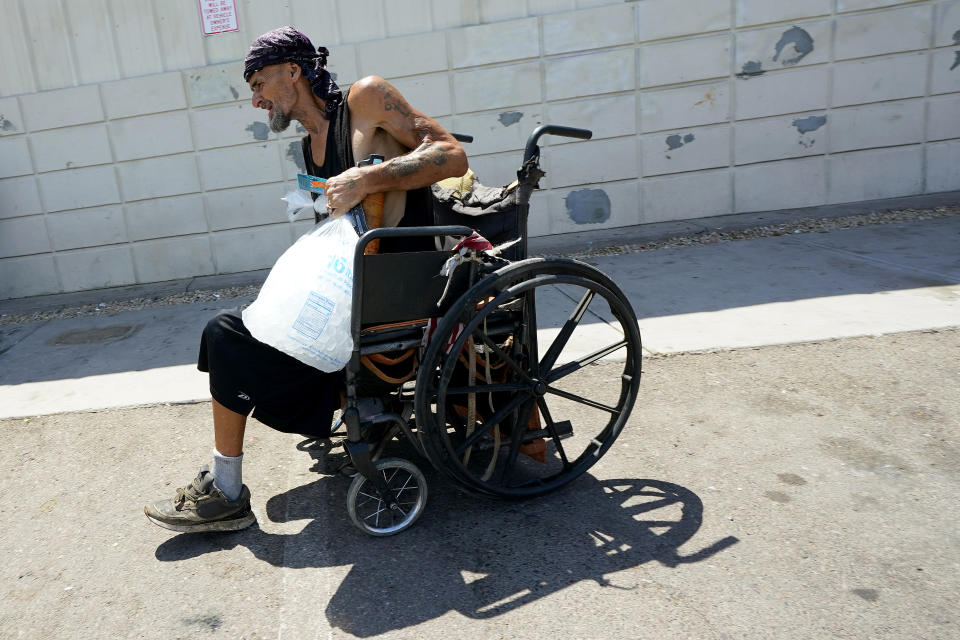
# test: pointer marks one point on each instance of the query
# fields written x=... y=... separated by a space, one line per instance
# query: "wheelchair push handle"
x=552 y=129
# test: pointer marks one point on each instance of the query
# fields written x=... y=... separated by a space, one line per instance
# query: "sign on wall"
x=218 y=16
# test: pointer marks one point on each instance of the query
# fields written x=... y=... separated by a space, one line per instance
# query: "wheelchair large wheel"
x=377 y=517
x=556 y=369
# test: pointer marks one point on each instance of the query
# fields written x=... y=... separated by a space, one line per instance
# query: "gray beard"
x=279 y=121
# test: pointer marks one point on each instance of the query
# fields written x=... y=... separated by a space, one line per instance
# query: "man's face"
x=273 y=90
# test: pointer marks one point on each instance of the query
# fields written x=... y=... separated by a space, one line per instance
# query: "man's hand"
x=345 y=191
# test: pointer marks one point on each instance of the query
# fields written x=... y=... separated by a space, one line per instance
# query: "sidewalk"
x=748 y=293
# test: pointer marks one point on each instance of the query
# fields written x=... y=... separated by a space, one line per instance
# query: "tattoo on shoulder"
x=392 y=102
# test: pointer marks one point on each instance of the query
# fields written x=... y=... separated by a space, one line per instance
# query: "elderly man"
x=289 y=79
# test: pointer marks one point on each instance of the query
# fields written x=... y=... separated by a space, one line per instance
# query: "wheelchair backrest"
x=398 y=287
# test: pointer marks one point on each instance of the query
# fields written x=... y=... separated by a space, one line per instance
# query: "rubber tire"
x=353 y=495
x=434 y=436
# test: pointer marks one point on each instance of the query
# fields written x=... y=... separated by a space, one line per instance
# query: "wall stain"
x=956 y=37
x=588 y=206
x=751 y=69
x=806 y=125
x=236 y=94
x=777 y=496
x=802 y=44
x=508 y=118
x=706 y=98
x=6 y=125
x=956 y=63
x=295 y=153
x=260 y=130
x=676 y=141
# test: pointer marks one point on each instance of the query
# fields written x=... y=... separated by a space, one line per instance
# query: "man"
x=289 y=79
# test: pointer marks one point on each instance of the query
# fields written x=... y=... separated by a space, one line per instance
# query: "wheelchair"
x=522 y=371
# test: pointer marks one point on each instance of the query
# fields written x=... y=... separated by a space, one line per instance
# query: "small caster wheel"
x=375 y=516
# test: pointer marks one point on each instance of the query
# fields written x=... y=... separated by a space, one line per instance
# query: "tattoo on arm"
x=410 y=164
x=404 y=166
x=392 y=102
x=439 y=157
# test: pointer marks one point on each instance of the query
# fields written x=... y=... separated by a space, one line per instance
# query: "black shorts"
x=247 y=375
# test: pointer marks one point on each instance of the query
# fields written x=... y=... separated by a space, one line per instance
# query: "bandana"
x=286 y=44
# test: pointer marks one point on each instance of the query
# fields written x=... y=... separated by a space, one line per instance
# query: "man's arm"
x=434 y=154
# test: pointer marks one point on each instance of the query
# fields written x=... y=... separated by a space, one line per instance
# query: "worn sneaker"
x=202 y=507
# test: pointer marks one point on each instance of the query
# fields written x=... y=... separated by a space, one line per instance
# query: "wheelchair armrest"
x=407 y=232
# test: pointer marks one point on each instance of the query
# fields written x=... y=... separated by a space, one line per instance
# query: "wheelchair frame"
x=497 y=309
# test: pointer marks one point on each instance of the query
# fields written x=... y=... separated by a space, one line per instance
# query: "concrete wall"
x=129 y=151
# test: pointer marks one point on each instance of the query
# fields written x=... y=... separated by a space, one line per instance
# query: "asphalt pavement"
x=790 y=471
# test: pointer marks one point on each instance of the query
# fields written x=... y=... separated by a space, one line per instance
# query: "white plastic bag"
x=303 y=308
x=300 y=205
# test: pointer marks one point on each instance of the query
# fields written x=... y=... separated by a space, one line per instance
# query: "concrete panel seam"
x=928 y=89
x=196 y=160
x=113 y=45
x=732 y=105
x=116 y=173
x=831 y=77
x=882 y=9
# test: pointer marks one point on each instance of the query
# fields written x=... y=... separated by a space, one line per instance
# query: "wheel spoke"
x=576 y=365
x=487 y=388
x=566 y=331
x=516 y=439
x=582 y=400
x=542 y=404
x=504 y=356
x=491 y=423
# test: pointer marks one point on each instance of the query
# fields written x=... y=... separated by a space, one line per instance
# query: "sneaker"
x=202 y=507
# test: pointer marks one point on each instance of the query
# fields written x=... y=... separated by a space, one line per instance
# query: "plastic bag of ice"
x=303 y=308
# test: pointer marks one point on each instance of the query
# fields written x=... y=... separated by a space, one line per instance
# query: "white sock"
x=228 y=474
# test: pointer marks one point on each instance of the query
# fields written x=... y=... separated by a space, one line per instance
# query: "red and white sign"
x=218 y=16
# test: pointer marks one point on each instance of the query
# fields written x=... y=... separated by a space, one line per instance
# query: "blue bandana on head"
x=286 y=44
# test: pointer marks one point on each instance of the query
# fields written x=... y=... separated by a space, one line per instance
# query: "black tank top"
x=339 y=155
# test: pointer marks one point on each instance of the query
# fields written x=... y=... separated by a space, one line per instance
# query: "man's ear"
x=294 y=70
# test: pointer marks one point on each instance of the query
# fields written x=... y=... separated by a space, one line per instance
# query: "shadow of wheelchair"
x=479 y=557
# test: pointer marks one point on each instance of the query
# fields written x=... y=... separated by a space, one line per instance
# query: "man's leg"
x=228 y=428
x=215 y=501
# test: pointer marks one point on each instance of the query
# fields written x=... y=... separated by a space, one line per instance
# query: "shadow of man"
x=476 y=556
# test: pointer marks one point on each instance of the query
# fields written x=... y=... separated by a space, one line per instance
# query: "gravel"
x=133 y=304
x=805 y=225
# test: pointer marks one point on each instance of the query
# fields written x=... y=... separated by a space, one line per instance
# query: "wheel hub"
x=539 y=388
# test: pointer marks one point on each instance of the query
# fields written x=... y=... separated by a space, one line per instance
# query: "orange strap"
x=381 y=358
x=375 y=370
